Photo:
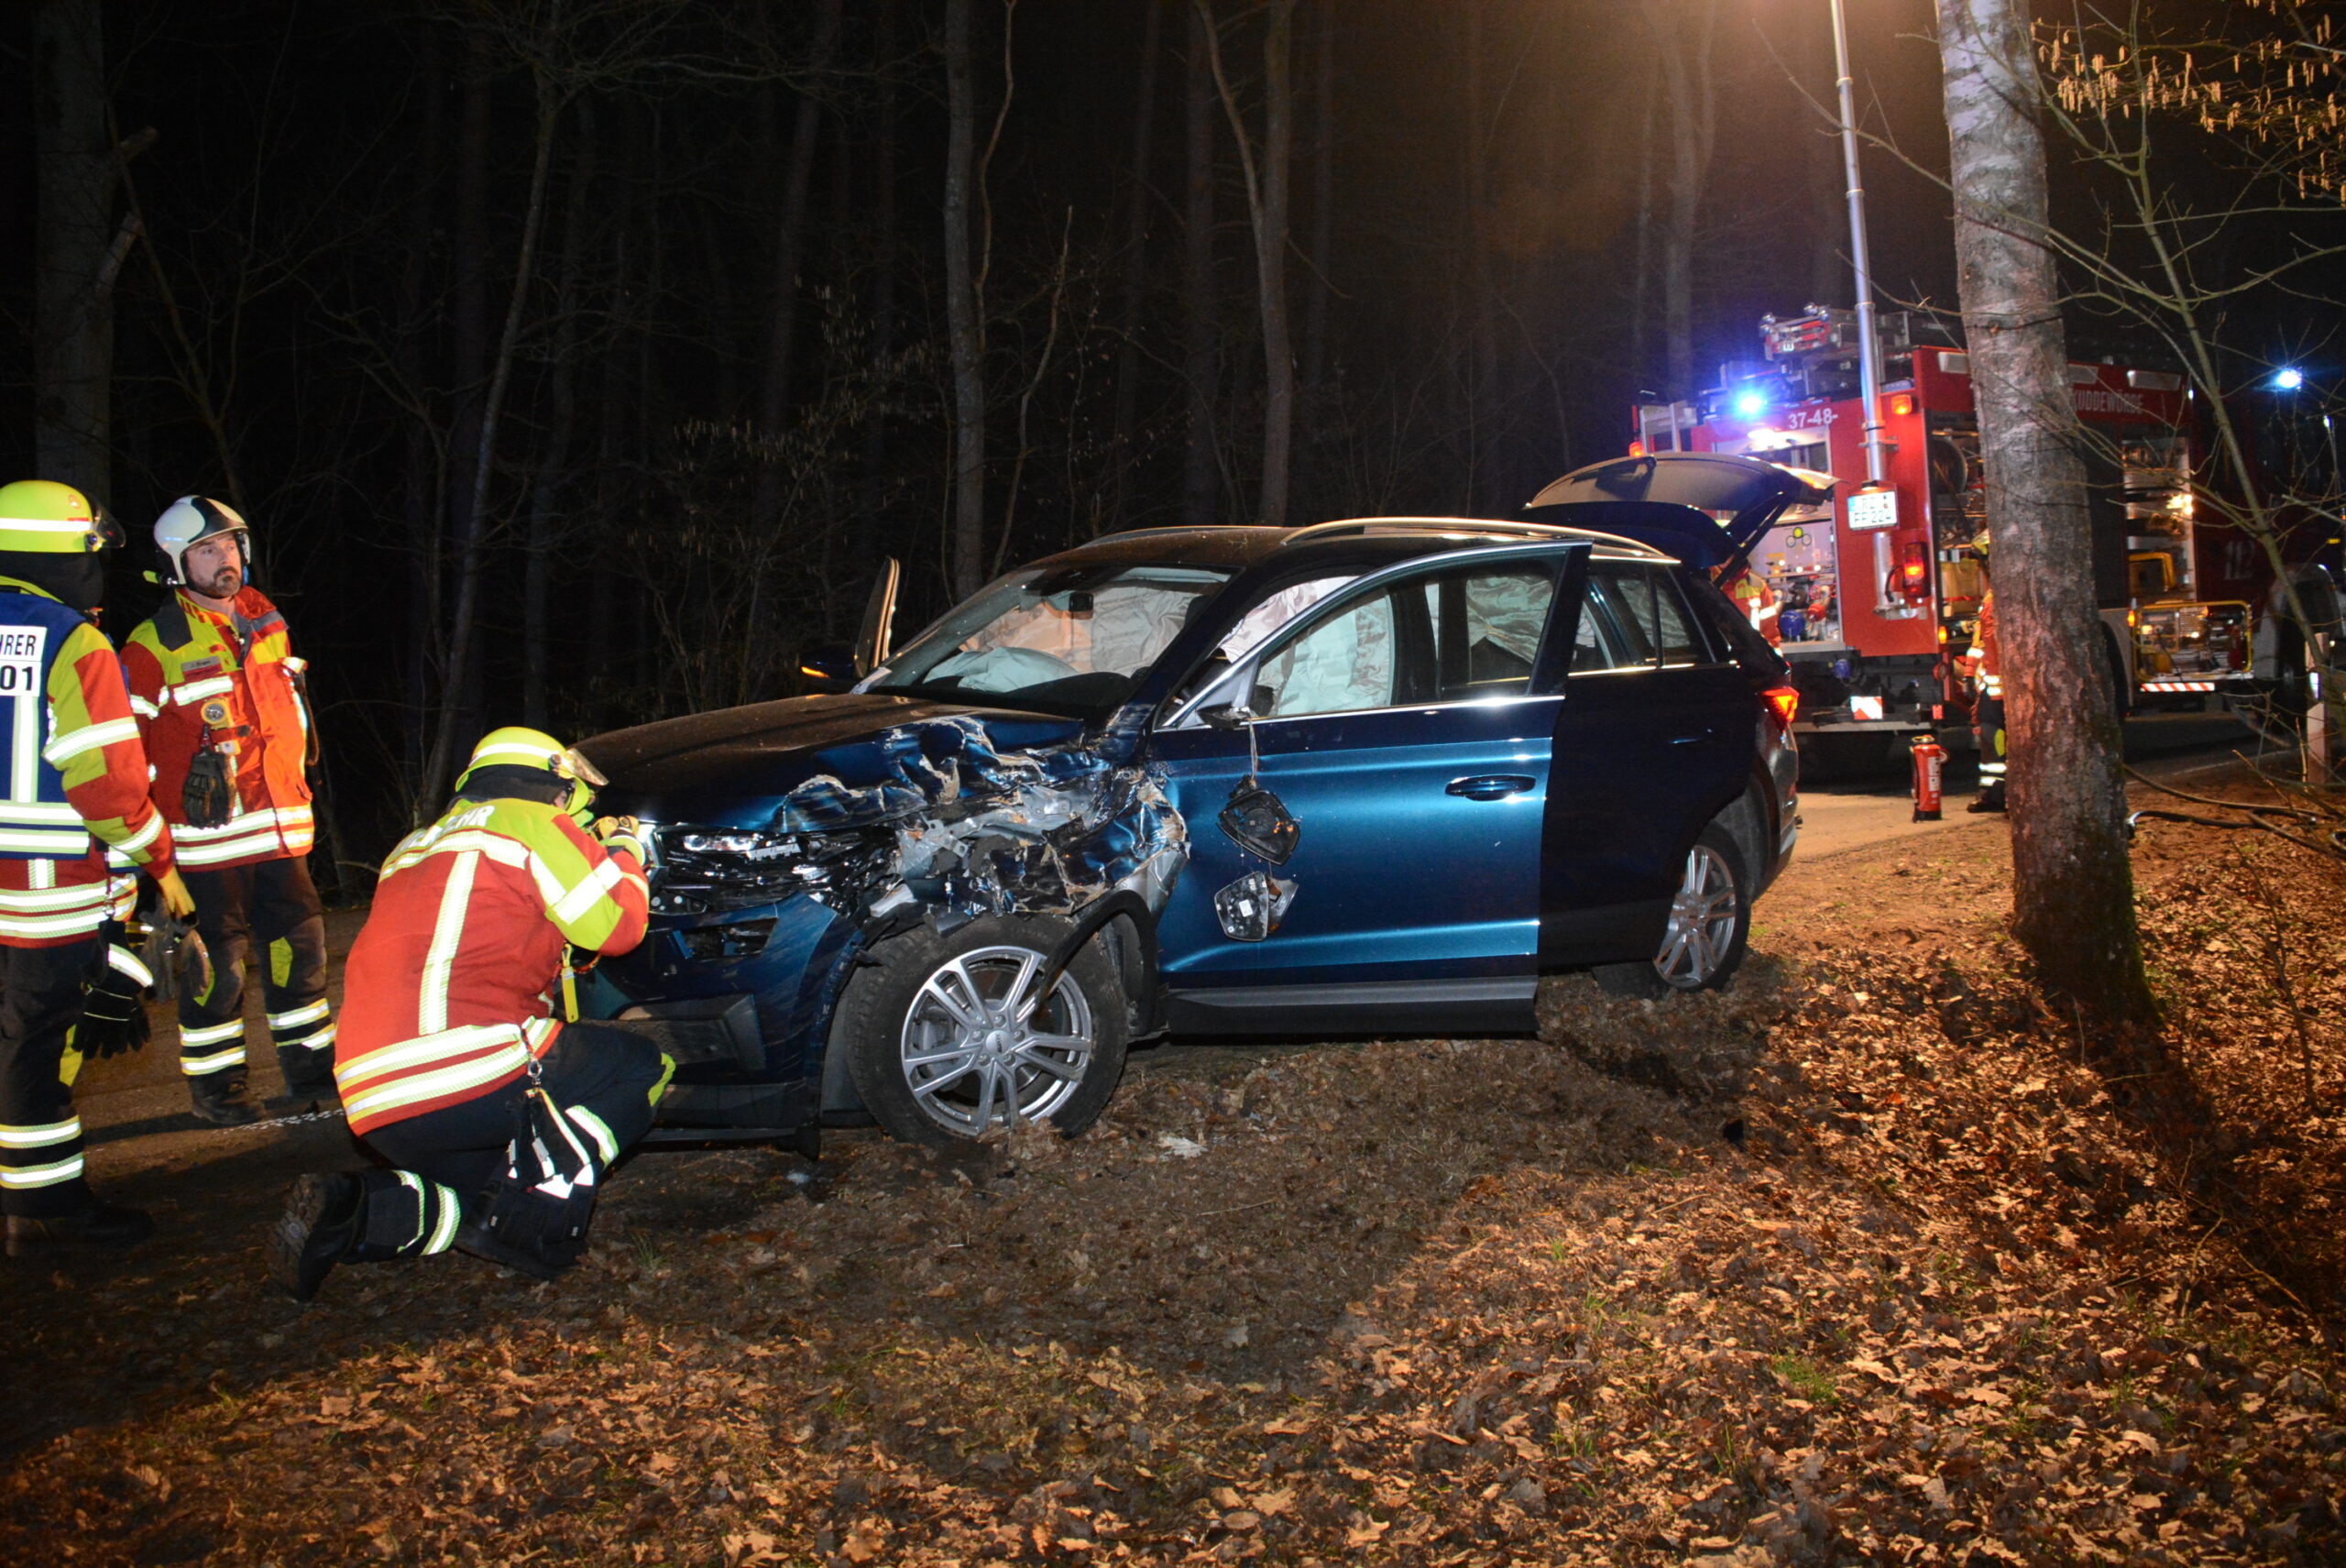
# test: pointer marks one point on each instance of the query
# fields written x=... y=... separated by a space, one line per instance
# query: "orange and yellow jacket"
x=449 y=992
x=232 y=682
x=74 y=814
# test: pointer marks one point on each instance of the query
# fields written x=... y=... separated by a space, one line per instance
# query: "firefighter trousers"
x=604 y=1080
x=40 y=1137
x=272 y=905
x=1987 y=725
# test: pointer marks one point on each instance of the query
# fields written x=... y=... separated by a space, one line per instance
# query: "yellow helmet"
x=515 y=746
x=41 y=517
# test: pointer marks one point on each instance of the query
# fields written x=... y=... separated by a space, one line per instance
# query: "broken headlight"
x=707 y=871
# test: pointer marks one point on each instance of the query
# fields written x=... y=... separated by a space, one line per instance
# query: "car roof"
x=1364 y=540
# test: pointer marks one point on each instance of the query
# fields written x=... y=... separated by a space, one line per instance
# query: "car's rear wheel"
x=952 y=1036
x=1710 y=925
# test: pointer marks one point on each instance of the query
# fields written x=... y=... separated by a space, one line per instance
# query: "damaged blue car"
x=1374 y=775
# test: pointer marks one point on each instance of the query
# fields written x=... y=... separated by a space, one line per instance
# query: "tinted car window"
x=1450 y=636
x=1486 y=626
x=1749 y=647
x=1635 y=618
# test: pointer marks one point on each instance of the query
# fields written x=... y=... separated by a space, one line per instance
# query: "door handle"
x=1491 y=786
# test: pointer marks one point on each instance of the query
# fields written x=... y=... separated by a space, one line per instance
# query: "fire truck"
x=1875 y=591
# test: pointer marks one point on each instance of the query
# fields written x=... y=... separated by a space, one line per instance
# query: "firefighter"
x=76 y=788
x=1760 y=603
x=1987 y=700
x=219 y=695
x=498 y=1119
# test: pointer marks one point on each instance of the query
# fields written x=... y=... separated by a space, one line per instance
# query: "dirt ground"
x=1871 y=1258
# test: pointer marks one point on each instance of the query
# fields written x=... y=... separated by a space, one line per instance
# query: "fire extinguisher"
x=1930 y=757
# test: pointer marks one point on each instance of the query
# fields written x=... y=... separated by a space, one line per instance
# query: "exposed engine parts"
x=959 y=830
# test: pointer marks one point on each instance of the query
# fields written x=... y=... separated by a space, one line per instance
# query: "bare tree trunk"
x=884 y=293
x=1641 y=280
x=1483 y=305
x=1324 y=219
x=782 y=319
x=471 y=541
x=962 y=326
x=2073 y=895
x=1267 y=208
x=1135 y=265
x=73 y=290
x=426 y=460
x=554 y=469
x=1683 y=29
x=1201 y=466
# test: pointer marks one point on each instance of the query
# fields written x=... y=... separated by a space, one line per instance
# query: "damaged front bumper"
x=951 y=830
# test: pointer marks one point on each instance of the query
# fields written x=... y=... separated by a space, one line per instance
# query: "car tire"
x=1710 y=925
x=939 y=1032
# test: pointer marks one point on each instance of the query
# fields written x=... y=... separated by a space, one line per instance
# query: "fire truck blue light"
x=1749 y=405
x=2288 y=378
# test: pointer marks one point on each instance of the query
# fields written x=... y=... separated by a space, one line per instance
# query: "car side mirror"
x=1226 y=716
x=827 y=667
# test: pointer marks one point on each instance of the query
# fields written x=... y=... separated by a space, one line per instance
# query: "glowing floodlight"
x=2288 y=378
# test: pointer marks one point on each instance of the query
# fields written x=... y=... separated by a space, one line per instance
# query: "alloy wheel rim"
x=980 y=1045
x=1702 y=922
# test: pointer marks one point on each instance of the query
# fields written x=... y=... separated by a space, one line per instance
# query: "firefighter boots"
x=306 y=1076
x=110 y=1225
x=219 y=1098
x=319 y=1229
x=1989 y=799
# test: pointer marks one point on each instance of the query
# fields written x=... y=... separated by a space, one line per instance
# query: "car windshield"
x=1069 y=638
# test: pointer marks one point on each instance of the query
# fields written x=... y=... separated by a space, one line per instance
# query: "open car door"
x=1708 y=509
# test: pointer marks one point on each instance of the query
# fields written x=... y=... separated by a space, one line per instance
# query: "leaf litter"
x=1874 y=1257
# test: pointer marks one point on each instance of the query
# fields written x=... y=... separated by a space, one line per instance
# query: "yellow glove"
x=621 y=833
x=176 y=898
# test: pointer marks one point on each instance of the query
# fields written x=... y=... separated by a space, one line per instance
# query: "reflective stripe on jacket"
x=231 y=681
x=448 y=993
x=72 y=776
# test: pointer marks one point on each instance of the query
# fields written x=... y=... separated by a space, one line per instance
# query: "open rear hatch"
x=1708 y=509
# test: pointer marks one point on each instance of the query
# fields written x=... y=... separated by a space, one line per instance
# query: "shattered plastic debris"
x=1047 y=831
x=1251 y=908
x=1258 y=822
x=1179 y=1147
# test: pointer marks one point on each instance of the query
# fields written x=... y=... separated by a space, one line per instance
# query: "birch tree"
x=2073 y=891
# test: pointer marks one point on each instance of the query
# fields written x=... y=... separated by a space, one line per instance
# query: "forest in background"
x=577 y=360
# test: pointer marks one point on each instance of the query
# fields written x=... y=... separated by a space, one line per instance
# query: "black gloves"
x=112 y=1019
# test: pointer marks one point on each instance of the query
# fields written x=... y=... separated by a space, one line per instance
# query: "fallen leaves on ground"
x=1871 y=1258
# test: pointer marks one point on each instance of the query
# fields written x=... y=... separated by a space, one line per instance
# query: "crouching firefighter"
x=498 y=1119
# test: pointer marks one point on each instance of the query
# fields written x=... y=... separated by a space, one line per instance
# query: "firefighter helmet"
x=41 y=517
x=1980 y=546
x=515 y=746
x=191 y=520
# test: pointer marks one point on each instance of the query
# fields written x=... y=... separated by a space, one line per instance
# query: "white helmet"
x=191 y=520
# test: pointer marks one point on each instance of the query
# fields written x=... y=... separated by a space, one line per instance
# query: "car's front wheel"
x=950 y=1036
x=1710 y=924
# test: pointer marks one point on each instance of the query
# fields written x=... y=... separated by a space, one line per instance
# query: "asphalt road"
x=1853 y=810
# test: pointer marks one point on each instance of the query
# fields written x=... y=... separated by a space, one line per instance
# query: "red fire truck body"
x=1874 y=596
